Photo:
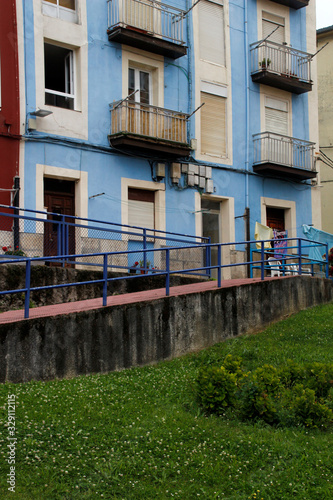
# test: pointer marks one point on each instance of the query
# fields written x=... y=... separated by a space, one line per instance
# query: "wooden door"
x=59 y=200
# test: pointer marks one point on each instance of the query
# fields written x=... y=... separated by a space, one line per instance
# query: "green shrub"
x=216 y=389
x=291 y=395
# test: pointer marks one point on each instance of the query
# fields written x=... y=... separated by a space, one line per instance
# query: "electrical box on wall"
x=160 y=170
x=32 y=125
x=209 y=186
x=175 y=172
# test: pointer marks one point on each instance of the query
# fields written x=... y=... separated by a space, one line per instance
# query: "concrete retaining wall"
x=119 y=337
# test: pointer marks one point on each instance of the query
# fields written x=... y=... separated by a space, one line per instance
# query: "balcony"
x=281 y=67
x=294 y=4
x=141 y=128
x=283 y=156
x=148 y=25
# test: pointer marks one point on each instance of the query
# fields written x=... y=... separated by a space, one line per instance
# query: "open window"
x=59 y=76
x=62 y=9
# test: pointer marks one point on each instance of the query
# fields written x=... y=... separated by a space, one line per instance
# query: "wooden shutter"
x=141 y=208
x=211 y=32
x=276 y=116
x=213 y=124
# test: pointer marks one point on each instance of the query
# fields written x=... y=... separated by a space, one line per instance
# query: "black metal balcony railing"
x=283 y=155
x=294 y=4
x=148 y=127
x=147 y=24
x=281 y=66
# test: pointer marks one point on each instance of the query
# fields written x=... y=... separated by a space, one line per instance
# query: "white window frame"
x=59 y=12
x=137 y=70
x=69 y=78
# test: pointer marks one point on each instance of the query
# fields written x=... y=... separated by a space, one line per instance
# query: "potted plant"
x=264 y=64
x=144 y=269
x=14 y=253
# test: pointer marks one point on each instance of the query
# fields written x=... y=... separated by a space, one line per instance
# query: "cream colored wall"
x=73 y=36
x=213 y=73
x=325 y=98
x=316 y=191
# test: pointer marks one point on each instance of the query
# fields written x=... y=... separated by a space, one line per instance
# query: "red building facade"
x=9 y=101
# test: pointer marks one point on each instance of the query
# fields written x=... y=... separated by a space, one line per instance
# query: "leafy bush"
x=216 y=389
x=291 y=395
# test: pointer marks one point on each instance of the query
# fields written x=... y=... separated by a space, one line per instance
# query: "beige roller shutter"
x=269 y=23
x=211 y=32
x=276 y=116
x=141 y=208
x=213 y=124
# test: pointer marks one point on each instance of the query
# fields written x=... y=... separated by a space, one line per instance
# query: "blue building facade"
x=190 y=117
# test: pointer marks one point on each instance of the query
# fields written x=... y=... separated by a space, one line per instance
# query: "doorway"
x=211 y=227
x=275 y=218
x=59 y=199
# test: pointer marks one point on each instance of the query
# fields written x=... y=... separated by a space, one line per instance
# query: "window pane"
x=52 y=1
x=131 y=83
x=69 y=4
x=144 y=87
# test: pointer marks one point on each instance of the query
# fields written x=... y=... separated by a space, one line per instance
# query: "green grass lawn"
x=139 y=433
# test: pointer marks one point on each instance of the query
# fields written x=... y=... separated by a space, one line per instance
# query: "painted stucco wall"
x=325 y=100
x=77 y=140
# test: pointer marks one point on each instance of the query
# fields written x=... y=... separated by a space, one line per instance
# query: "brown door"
x=58 y=199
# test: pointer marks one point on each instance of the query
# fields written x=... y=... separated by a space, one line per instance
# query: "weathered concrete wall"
x=12 y=277
x=119 y=337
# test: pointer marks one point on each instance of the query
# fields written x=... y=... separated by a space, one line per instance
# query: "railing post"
x=167 y=278
x=208 y=257
x=27 y=288
x=326 y=265
x=299 y=256
x=262 y=258
x=63 y=243
x=105 y=278
x=251 y=265
x=219 y=263
x=144 y=247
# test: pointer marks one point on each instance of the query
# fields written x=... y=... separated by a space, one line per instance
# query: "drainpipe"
x=247 y=131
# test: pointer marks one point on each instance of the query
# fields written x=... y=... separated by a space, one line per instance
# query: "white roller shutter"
x=211 y=32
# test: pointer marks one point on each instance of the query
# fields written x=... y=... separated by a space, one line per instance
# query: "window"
x=139 y=80
x=141 y=208
x=276 y=116
x=59 y=76
x=269 y=23
x=211 y=32
x=63 y=9
x=213 y=119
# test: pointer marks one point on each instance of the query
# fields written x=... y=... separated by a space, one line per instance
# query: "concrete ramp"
x=67 y=340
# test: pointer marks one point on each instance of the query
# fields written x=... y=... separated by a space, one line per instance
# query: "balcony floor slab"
x=285 y=171
x=149 y=146
x=146 y=41
x=283 y=82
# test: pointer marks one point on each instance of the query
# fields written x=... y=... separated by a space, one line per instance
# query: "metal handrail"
x=167 y=272
x=283 y=150
x=149 y=121
x=280 y=59
x=155 y=18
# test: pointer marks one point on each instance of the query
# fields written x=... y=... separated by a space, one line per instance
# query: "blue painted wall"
x=105 y=168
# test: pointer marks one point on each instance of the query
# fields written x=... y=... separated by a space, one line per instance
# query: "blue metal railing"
x=204 y=270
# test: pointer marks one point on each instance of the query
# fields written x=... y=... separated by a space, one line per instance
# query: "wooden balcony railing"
x=283 y=155
x=148 y=127
x=147 y=24
x=281 y=66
